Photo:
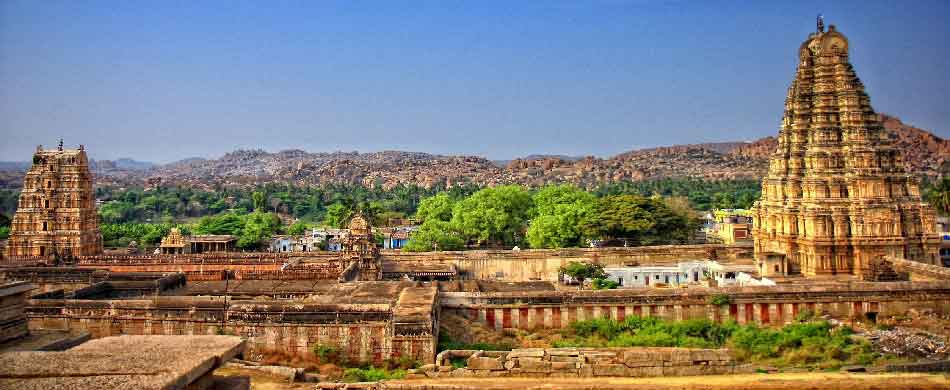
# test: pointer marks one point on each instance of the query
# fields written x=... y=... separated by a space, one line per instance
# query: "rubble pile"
x=909 y=343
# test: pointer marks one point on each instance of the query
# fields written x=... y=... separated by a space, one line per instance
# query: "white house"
x=686 y=272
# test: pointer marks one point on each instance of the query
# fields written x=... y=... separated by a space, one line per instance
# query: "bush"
x=720 y=299
x=327 y=353
x=813 y=344
x=604 y=284
x=371 y=374
x=805 y=316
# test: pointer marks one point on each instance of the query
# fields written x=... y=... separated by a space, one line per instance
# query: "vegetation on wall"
x=814 y=344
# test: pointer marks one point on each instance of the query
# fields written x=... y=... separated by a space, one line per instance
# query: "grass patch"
x=813 y=344
x=372 y=374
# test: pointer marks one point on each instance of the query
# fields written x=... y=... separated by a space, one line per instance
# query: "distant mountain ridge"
x=925 y=154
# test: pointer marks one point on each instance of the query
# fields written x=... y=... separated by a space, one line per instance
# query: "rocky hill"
x=924 y=154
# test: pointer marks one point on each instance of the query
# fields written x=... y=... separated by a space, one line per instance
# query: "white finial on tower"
x=821 y=23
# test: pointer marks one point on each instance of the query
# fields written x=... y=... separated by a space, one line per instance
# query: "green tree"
x=258 y=198
x=437 y=207
x=258 y=228
x=560 y=212
x=496 y=215
x=619 y=216
x=939 y=196
x=435 y=234
x=4 y=232
x=582 y=271
x=337 y=215
x=227 y=223
x=298 y=228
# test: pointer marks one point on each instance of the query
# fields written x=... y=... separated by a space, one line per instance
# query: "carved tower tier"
x=836 y=195
x=56 y=213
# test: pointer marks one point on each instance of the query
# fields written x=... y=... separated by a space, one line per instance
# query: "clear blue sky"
x=165 y=80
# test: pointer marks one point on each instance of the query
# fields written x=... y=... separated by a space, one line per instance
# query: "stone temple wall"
x=771 y=306
x=543 y=264
x=362 y=332
x=503 y=265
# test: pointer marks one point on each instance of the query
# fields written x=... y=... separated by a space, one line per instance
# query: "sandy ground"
x=814 y=381
x=783 y=381
x=263 y=381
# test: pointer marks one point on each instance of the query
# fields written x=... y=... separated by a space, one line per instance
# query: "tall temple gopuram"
x=836 y=195
x=56 y=213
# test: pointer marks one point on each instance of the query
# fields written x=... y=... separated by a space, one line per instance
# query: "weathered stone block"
x=610 y=370
x=679 y=355
x=512 y=363
x=526 y=352
x=645 y=371
x=532 y=365
x=563 y=366
x=569 y=359
x=585 y=370
x=481 y=363
x=563 y=352
x=445 y=368
x=461 y=372
x=600 y=357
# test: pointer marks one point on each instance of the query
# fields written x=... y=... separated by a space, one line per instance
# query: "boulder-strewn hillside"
x=924 y=154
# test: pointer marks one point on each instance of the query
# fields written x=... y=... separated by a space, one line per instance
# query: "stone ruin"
x=583 y=362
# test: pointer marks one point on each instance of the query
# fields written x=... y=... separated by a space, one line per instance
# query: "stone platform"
x=123 y=362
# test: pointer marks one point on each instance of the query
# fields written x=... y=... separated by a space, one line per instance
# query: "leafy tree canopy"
x=438 y=207
x=582 y=271
x=435 y=234
x=496 y=215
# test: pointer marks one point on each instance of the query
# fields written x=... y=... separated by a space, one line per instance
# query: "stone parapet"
x=13 y=323
x=584 y=362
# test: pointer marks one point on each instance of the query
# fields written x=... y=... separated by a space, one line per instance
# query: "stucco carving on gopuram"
x=56 y=213
x=836 y=195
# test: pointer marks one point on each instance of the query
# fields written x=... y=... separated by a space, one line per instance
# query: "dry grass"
x=463 y=330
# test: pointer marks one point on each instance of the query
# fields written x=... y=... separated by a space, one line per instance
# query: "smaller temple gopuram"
x=836 y=196
x=56 y=212
x=359 y=248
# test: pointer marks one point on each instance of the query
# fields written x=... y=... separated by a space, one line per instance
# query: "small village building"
x=729 y=226
x=396 y=237
x=943 y=228
x=206 y=243
x=686 y=272
x=176 y=243
x=332 y=237
x=284 y=244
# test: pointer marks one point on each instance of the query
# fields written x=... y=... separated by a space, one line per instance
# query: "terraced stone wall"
x=543 y=264
x=773 y=306
x=361 y=332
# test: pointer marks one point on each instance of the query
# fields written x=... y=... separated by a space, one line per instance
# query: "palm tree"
x=940 y=196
